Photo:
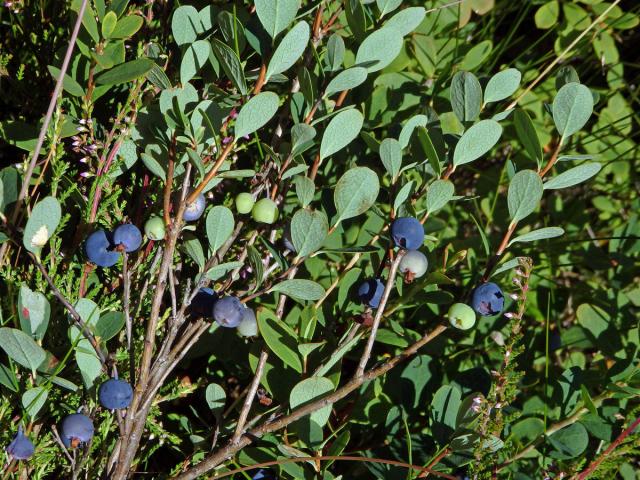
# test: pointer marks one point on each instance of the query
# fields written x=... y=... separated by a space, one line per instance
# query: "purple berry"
x=20 y=447
x=193 y=211
x=76 y=429
x=202 y=303
x=115 y=394
x=370 y=292
x=407 y=233
x=228 y=312
x=262 y=474
x=487 y=299
x=99 y=248
x=128 y=236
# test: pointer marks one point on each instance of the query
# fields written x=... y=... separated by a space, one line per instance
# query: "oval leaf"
x=439 y=194
x=572 y=107
x=340 y=132
x=290 y=49
x=477 y=141
x=219 y=225
x=21 y=348
x=466 y=96
x=299 y=289
x=309 y=390
x=356 y=191
x=126 y=72
x=43 y=221
x=350 y=78
x=34 y=311
x=573 y=176
x=256 y=112
x=390 y=152
x=502 y=85
x=280 y=339
x=540 y=234
x=379 y=49
x=525 y=192
x=308 y=231
x=276 y=15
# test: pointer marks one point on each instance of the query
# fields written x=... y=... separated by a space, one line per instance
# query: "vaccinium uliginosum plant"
x=294 y=165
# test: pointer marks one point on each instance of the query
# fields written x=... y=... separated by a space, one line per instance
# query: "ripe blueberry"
x=265 y=211
x=414 y=265
x=115 y=394
x=202 y=303
x=128 y=237
x=99 y=248
x=154 y=228
x=407 y=233
x=75 y=430
x=487 y=299
x=248 y=326
x=20 y=447
x=244 y=202
x=370 y=292
x=262 y=474
x=193 y=211
x=228 y=312
x=461 y=316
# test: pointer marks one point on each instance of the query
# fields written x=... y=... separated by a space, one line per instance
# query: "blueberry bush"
x=324 y=239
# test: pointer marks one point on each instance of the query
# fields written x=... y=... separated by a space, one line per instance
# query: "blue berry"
x=487 y=299
x=129 y=236
x=99 y=248
x=262 y=474
x=228 y=312
x=115 y=394
x=370 y=292
x=75 y=430
x=407 y=233
x=193 y=211
x=20 y=447
x=414 y=265
x=202 y=303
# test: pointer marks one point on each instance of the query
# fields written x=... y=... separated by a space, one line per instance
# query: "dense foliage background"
x=347 y=114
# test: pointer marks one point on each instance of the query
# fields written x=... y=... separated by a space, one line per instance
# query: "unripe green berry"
x=244 y=202
x=265 y=211
x=461 y=316
x=154 y=228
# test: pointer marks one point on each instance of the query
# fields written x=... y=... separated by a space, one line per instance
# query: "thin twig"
x=248 y=401
x=127 y=318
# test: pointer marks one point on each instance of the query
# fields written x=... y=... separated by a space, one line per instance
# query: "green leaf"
x=194 y=59
x=69 y=84
x=186 y=24
x=280 y=339
x=593 y=319
x=476 y=141
x=87 y=361
x=403 y=194
x=466 y=96
x=42 y=223
x=302 y=136
x=8 y=378
x=109 y=325
x=216 y=398
x=379 y=49
x=573 y=176
x=309 y=229
x=349 y=78
x=355 y=192
x=276 y=15
x=33 y=400
x=222 y=269
x=89 y=22
x=127 y=26
x=21 y=348
x=527 y=134
x=256 y=113
x=305 y=189
x=126 y=72
x=439 y=194
x=570 y=441
x=444 y=411
x=88 y=311
x=219 y=226
x=335 y=52
x=386 y=6
x=341 y=131
x=406 y=20
x=572 y=107
x=475 y=57
x=547 y=15
x=34 y=311
x=289 y=50
x=307 y=391
x=409 y=126
x=390 y=152
x=539 y=234
x=299 y=289
x=525 y=192
x=502 y=85
x=108 y=24
x=158 y=78
x=432 y=143
x=230 y=64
